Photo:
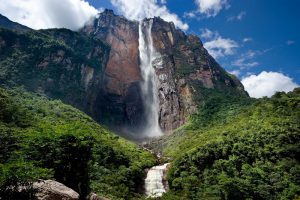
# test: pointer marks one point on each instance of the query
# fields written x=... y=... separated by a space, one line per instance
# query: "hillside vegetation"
x=241 y=149
x=41 y=138
x=52 y=61
x=233 y=148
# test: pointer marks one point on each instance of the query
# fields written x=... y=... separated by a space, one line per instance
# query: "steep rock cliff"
x=183 y=68
x=98 y=70
x=57 y=62
x=121 y=95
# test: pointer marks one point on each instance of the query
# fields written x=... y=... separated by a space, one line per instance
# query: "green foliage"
x=216 y=106
x=50 y=61
x=184 y=70
x=67 y=155
x=16 y=179
x=251 y=155
x=61 y=142
x=10 y=112
x=234 y=147
x=215 y=109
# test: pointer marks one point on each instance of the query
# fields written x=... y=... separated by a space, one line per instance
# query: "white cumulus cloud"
x=220 y=47
x=40 y=14
x=140 y=9
x=211 y=8
x=216 y=45
x=267 y=83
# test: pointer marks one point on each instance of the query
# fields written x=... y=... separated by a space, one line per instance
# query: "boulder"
x=53 y=190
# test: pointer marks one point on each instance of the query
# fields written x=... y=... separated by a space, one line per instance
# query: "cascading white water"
x=154 y=184
x=148 y=86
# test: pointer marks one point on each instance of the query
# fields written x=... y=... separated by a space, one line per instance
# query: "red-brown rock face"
x=121 y=100
x=105 y=80
x=183 y=62
x=122 y=35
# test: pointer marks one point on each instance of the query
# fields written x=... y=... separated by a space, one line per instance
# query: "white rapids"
x=149 y=89
x=154 y=183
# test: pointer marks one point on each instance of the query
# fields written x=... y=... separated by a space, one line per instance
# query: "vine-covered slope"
x=238 y=150
x=40 y=138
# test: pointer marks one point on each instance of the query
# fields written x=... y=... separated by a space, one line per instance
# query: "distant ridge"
x=6 y=23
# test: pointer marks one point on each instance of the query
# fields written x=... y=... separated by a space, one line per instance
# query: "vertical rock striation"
x=121 y=94
x=99 y=71
x=182 y=66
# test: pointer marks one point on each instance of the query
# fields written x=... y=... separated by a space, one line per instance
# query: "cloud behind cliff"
x=140 y=9
x=40 y=14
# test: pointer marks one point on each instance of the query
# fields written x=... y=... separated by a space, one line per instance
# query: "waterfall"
x=149 y=84
x=155 y=185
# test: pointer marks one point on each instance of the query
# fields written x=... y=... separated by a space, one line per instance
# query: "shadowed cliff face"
x=59 y=63
x=182 y=66
x=105 y=80
x=122 y=93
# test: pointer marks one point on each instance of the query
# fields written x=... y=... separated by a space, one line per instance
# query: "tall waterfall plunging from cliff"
x=149 y=84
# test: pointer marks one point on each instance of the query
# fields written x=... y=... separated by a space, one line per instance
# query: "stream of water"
x=155 y=183
x=149 y=84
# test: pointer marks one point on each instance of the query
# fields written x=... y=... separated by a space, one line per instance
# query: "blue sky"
x=257 y=40
x=270 y=28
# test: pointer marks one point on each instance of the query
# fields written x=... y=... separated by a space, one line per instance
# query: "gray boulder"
x=53 y=190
